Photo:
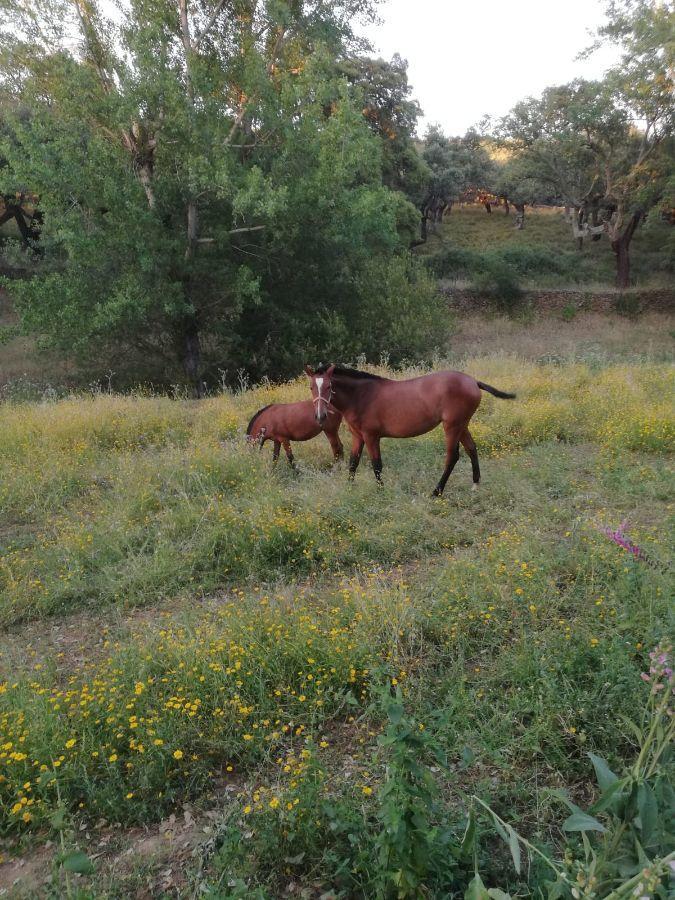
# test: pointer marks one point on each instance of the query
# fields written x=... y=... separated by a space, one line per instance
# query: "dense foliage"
x=212 y=192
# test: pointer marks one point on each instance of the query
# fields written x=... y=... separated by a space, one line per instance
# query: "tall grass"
x=131 y=499
x=274 y=611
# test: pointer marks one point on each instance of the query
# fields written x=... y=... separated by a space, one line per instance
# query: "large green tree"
x=606 y=147
x=211 y=190
x=456 y=165
x=392 y=114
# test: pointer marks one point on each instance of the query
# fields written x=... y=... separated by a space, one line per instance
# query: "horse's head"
x=322 y=391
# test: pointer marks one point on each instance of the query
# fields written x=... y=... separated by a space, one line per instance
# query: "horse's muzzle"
x=320 y=417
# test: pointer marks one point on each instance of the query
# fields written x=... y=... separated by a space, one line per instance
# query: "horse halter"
x=320 y=398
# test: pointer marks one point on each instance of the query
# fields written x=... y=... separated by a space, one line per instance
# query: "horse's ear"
x=309 y=370
x=330 y=370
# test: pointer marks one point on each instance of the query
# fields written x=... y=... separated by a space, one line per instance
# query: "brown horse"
x=375 y=407
x=286 y=422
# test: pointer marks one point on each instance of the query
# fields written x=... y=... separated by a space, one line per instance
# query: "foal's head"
x=322 y=391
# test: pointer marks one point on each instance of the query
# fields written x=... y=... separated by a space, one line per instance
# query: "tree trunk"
x=145 y=178
x=192 y=355
x=621 y=246
x=622 y=264
x=595 y=220
x=21 y=224
x=520 y=217
x=14 y=211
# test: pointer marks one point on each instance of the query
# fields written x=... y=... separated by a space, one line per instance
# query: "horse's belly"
x=396 y=430
x=304 y=433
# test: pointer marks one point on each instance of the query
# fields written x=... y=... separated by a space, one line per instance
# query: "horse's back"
x=291 y=421
x=414 y=406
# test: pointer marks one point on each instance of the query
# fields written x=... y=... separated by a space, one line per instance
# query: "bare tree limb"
x=237 y=122
x=209 y=25
x=210 y=240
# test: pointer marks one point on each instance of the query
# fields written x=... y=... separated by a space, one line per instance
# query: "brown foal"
x=286 y=422
x=374 y=407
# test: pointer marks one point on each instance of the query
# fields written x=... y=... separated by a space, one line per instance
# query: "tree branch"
x=210 y=240
x=209 y=25
x=237 y=122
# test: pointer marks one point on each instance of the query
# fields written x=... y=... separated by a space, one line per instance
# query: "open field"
x=544 y=253
x=184 y=625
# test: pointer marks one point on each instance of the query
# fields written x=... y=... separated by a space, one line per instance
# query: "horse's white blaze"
x=319 y=382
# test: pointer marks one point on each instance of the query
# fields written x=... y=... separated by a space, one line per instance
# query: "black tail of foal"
x=495 y=391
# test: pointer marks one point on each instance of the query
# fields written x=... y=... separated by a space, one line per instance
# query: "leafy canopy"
x=212 y=191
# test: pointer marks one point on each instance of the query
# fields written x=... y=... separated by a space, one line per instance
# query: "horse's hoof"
x=474 y=487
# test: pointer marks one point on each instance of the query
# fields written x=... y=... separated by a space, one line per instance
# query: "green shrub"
x=499 y=282
x=569 y=312
x=454 y=262
x=627 y=304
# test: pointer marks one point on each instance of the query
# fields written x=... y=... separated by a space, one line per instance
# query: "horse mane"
x=260 y=412
x=351 y=373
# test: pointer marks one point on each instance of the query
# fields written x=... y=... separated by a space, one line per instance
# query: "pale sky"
x=469 y=58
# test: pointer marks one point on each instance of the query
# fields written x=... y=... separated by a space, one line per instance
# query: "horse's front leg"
x=335 y=445
x=355 y=455
x=373 y=447
x=289 y=454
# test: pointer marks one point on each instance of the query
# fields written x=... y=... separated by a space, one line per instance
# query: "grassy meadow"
x=544 y=255
x=309 y=662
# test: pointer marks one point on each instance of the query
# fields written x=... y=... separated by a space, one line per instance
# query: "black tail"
x=494 y=391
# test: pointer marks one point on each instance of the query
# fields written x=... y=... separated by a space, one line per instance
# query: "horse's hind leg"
x=469 y=445
x=452 y=437
x=289 y=454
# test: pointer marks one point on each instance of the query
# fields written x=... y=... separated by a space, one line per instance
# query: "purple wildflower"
x=619 y=537
x=660 y=672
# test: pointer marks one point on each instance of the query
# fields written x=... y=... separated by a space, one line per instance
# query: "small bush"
x=499 y=282
x=627 y=305
x=534 y=260
x=454 y=262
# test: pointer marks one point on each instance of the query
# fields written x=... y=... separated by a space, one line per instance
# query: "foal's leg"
x=470 y=446
x=452 y=436
x=336 y=445
x=355 y=455
x=275 y=451
x=289 y=454
x=373 y=447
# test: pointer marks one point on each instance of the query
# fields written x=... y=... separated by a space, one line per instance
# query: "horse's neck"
x=347 y=394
